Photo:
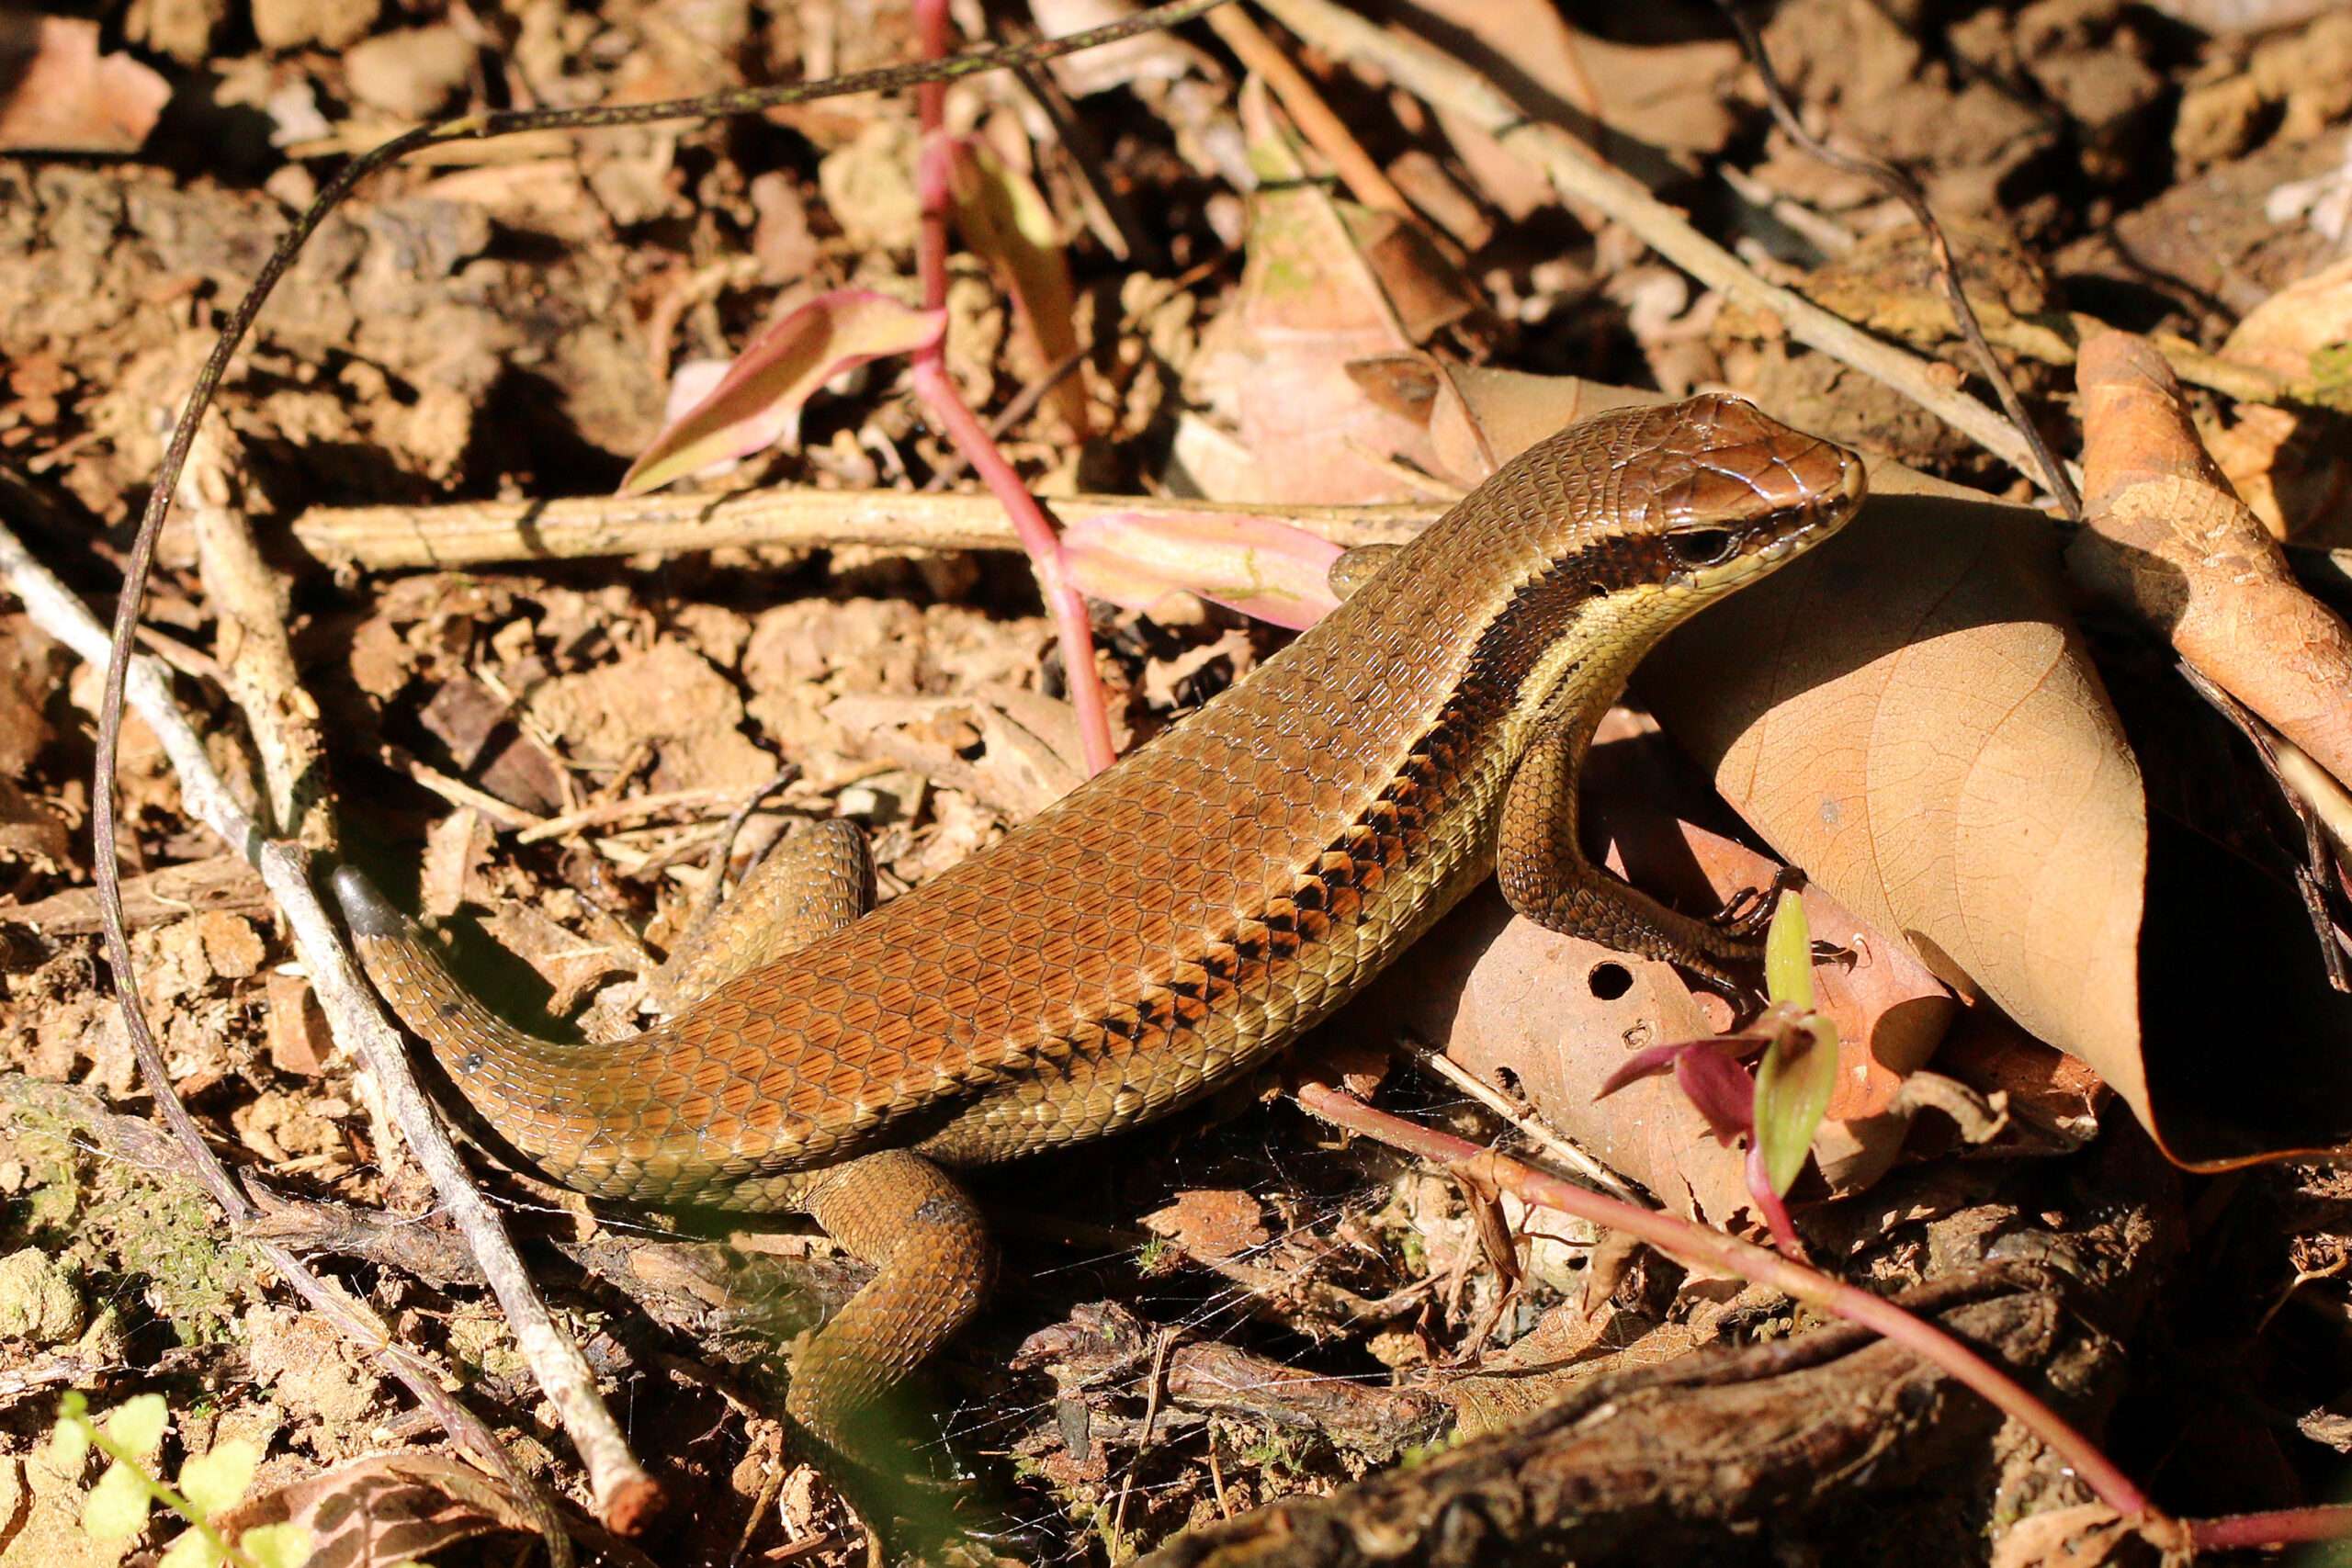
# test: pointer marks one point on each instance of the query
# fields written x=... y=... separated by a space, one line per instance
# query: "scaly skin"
x=1176 y=922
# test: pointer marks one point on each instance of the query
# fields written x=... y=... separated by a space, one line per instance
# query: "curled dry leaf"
x=757 y=402
x=2168 y=537
x=2291 y=463
x=1908 y=714
x=1006 y=223
x=1327 y=284
x=1256 y=564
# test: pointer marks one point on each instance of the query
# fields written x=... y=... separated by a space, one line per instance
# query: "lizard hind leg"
x=1545 y=878
x=803 y=890
x=933 y=1265
x=893 y=1209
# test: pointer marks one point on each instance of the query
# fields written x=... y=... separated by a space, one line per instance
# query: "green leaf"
x=212 y=1481
x=1793 y=1083
x=138 y=1424
x=69 y=1442
x=277 y=1545
x=116 y=1508
x=1788 y=954
x=193 y=1549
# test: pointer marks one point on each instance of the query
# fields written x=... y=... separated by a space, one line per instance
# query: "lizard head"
x=1722 y=493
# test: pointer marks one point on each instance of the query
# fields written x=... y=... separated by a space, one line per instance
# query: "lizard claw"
x=1749 y=911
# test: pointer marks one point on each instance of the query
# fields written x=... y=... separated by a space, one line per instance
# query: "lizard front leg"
x=1545 y=878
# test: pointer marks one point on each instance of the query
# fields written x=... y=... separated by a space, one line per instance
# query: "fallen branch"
x=1695 y=1245
x=1668 y=1462
x=486 y=533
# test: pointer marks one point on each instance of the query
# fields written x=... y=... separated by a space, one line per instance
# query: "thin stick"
x=53 y=608
x=1324 y=130
x=1437 y=78
x=629 y=809
x=486 y=533
x=1906 y=189
x=1528 y=1126
x=279 y=713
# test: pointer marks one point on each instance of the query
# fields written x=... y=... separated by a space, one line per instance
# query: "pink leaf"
x=1721 y=1090
x=758 y=401
x=1645 y=1064
x=1243 y=560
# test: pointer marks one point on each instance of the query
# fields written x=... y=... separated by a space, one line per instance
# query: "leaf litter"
x=1921 y=722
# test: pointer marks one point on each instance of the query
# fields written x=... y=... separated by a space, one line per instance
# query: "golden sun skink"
x=1172 y=924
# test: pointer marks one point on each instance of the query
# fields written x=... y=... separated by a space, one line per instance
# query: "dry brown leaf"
x=61 y=95
x=1909 y=715
x=2292 y=466
x=1553 y=1016
x=1212 y=1222
x=1326 y=283
x=385 y=1508
x=2168 y=538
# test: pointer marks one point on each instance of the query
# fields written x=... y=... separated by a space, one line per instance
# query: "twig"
x=1324 y=130
x=1018 y=407
x=457 y=792
x=1529 y=1127
x=629 y=809
x=1906 y=189
x=1437 y=78
x=1072 y=627
x=1697 y=1246
x=56 y=611
x=485 y=533
x=626 y=1497
x=2319 y=868
x=1157 y=1381
x=257 y=657
x=724 y=850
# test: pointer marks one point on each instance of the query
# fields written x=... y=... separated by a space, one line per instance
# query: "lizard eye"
x=1702 y=546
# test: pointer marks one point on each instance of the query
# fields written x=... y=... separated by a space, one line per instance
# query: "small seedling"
x=116 y=1508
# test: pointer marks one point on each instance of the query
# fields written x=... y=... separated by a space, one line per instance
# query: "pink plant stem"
x=1697 y=1245
x=970 y=437
x=2282 y=1527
